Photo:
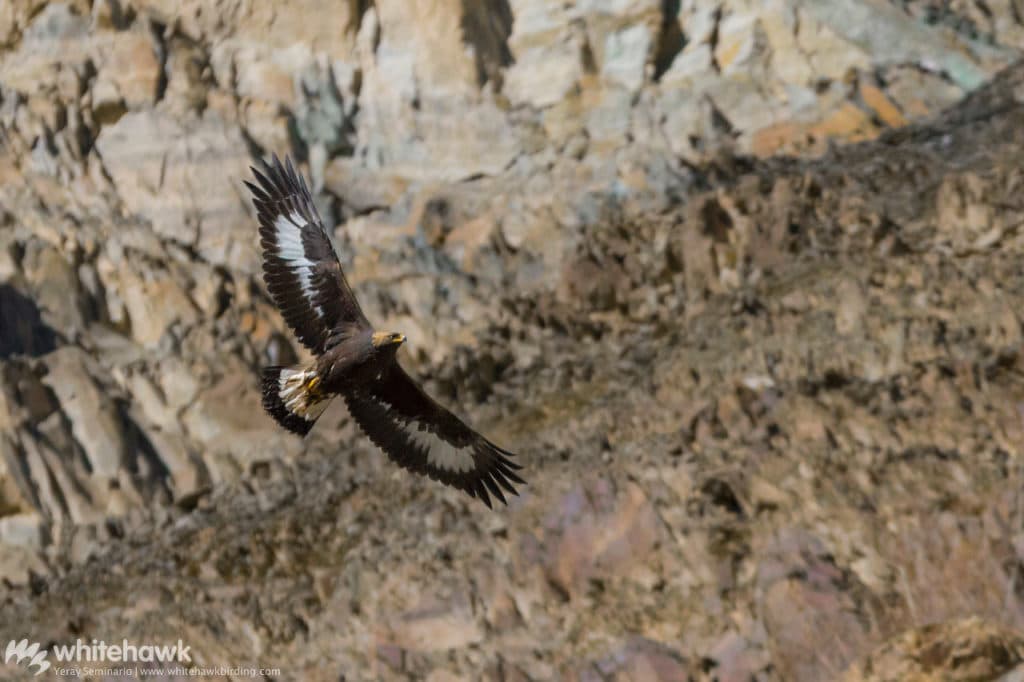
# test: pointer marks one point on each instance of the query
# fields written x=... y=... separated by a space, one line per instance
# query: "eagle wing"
x=423 y=437
x=300 y=267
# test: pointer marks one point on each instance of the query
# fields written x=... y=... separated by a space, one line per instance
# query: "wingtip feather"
x=495 y=490
x=482 y=493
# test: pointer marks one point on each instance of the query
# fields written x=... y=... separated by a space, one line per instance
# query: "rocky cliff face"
x=743 y=298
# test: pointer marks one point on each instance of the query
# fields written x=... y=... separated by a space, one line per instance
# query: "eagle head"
x=383 y=340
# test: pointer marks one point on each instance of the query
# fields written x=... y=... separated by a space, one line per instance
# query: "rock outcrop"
x=739 y=280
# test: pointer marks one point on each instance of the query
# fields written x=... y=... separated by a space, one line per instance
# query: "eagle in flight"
x=353 y=359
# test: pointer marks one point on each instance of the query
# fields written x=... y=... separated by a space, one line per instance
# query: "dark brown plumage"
x=306 y=282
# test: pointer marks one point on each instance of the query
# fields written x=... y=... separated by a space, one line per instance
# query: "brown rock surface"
x=770 y=407
x=968 y=649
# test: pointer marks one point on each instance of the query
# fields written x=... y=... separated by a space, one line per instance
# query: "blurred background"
x=740 y=281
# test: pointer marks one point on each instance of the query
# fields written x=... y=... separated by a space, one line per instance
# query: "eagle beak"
x=399 y=339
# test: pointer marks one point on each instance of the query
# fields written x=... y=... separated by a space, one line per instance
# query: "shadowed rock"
x=23 y=331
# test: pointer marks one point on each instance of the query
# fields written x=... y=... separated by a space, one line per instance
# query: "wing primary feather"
x=509 y=474
x=501 y=478
x=495 y=490
x=277 y=177
x=258 y=195
x=291 y=174
x=267 y=185
x=482 y=493
x=503 y=482
x=285 y=175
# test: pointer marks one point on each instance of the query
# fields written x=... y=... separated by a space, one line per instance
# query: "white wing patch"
x=293 y=390
x=288 y=231
x=440 y=453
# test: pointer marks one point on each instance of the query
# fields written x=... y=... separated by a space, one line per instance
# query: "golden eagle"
x=353 y=360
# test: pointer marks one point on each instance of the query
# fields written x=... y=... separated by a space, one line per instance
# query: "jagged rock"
x=128 y=69
x=232 y=437
x=18 y=564
x=95 y=422
x=767 y=408
x=22 y=530
x=598 y=532
x=969 y=649
x=55 y=284
x=25 y=332
x=189 y=77
x=435 y=627
x=185 y=179
x=186 y=471
x=58 y=33
x=325 y=27
x=13 y=497
x=807 y=604
x=637 y=659
x=407 y=103
x=154 y=302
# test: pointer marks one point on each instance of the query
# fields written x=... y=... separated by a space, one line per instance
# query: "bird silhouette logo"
x=23 y=650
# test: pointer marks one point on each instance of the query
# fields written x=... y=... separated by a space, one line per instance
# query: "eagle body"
x=354 y=360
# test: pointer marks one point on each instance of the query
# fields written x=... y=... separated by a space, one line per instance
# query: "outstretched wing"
x=300 y=267
x=425 y=438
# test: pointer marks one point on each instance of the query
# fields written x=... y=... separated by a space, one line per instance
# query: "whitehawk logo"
x=22 y=650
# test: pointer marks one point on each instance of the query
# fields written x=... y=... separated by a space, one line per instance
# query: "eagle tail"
x=294 y=397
